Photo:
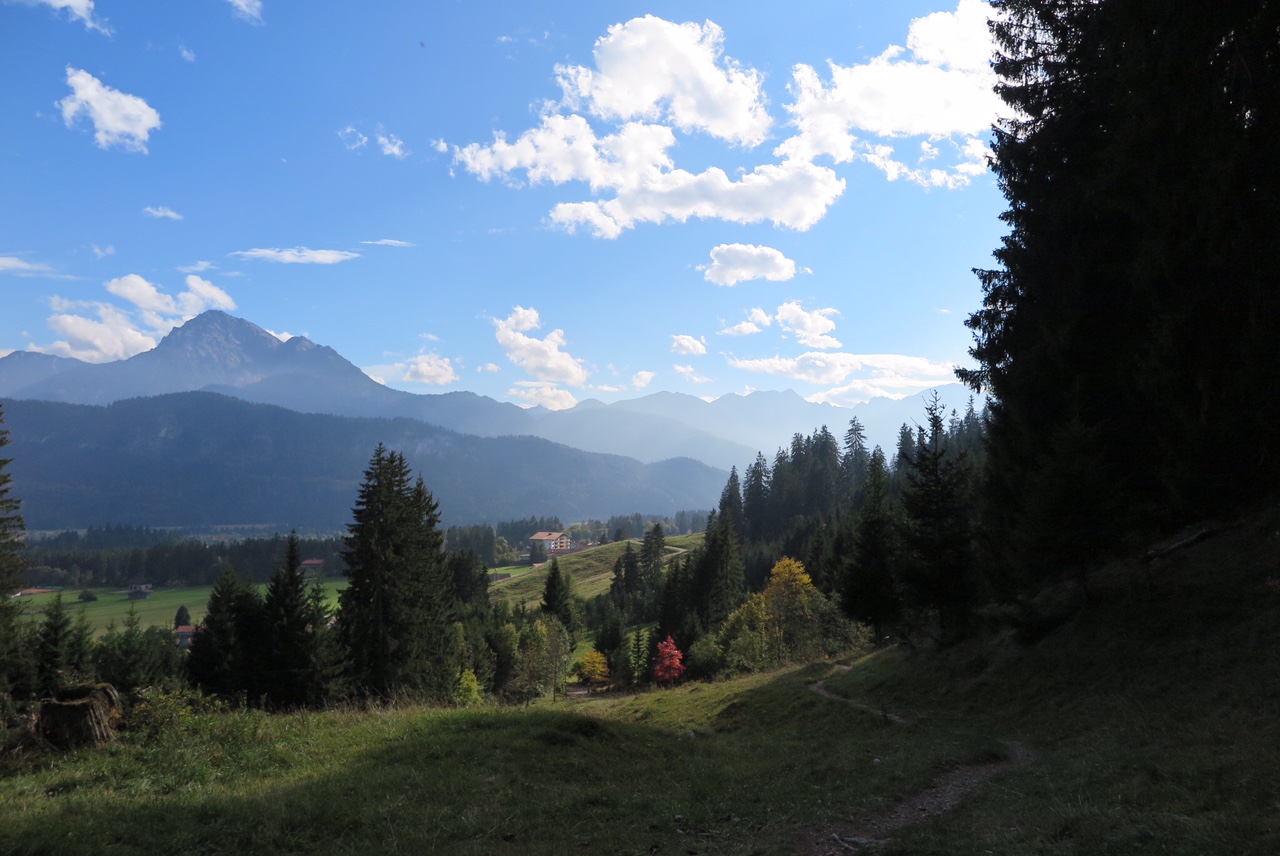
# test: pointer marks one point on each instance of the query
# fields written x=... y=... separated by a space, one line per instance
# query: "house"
x=555 y=542
x=313 y=567
x=139 y=591
x=185 y=632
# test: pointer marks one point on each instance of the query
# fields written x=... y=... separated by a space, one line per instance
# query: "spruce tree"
x=557 y=597
x=869 y=589
x=53 y=654
x=397 y=613
x=12 y=659
x=294 y=623
x=941 y=572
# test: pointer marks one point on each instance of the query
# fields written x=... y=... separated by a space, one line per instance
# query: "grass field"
x=1152 y=711
x=159 y=609
x=592 y=571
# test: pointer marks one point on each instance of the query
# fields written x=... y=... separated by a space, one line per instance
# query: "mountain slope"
x=199 y=459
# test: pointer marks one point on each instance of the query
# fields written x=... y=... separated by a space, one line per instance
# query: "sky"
x=540 y=202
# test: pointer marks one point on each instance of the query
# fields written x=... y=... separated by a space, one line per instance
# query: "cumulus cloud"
x=542 y=393
x=690 y=374
x=99 y=331
x=809 y=328
x=940 y=86
x=79 y=10
x=488 y=367
x=393 y=146
x=297 y=255
x=656 y=70
x=198 y=267
x=247 y=10
x=616 y=124
x=735 y=263
x=642 y=379
x=119 y=119
x=161 y=213
x=100 y=253
x=542 y=358
x=686 y=344
x=854 y=378
x=651 y=78
x=388 y=242
x=187 y=54
x=430 y=368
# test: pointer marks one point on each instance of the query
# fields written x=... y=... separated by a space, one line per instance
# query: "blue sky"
x=540 y=202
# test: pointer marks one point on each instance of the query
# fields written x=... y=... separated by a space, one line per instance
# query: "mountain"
x=217 y=352
x=202 y=459
x=25 y=368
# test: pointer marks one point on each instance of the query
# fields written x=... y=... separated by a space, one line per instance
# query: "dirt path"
x=867 y=833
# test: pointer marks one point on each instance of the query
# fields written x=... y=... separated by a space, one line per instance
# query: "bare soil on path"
x=867 y=833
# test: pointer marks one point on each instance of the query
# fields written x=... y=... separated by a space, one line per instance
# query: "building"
x=139 y=591
x=555 y=542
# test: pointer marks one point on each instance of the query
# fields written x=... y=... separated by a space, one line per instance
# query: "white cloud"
x=98 y=332
x=161 y=213
x=546 y=394
x=430 y=368
x=686 y=344
x=388 y=242
x=690 y=374
x=187 y=54
x=942 y=90
x=100 y=253
x=877 y=375
x=440 y=146
x=81 y=10
x=198 y=267
x=297 y=255
x=542 y=358
x=352 y=139
x=809 y=328
x=657 y=70
x=118 y=118
x=248 y=10
x=284 y=337
x=393 y=146
x=756 y=321
x=489 y=367
x=14 y=265
x=734 y=263
x=642 y=379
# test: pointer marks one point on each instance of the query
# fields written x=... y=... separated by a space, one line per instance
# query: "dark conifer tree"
x=294 y=624
x=53 y=656
x=755 y=498
x=397 y=614
x=869 y=590
x=226 y=650
x=731 y=503
x=12 y=655
x=557 y=597
x=941 y=572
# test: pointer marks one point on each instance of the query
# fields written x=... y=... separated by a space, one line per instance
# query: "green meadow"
x=1150 y=711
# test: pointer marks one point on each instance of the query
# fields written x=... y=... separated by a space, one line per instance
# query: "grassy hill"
x=592 y=570
x=1151 y=710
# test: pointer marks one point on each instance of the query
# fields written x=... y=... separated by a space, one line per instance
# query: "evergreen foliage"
x=397 y=613
x=296 y=623
x=1127 y=334
x=12 y=657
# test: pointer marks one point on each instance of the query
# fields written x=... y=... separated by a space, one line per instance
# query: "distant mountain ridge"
x=202 y=459
x=218 y=352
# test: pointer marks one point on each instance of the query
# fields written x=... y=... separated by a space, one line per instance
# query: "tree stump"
x=81 y=716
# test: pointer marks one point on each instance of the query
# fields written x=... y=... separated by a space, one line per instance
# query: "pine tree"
x=11 y=566
x=869 y=590
x=226 y=650
x=557 y=597
x=396 y=615
x=181 y=618
x=294 y=623
x=755 y=498
x=731 y=504
x=941 y=574
x=52 y=659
